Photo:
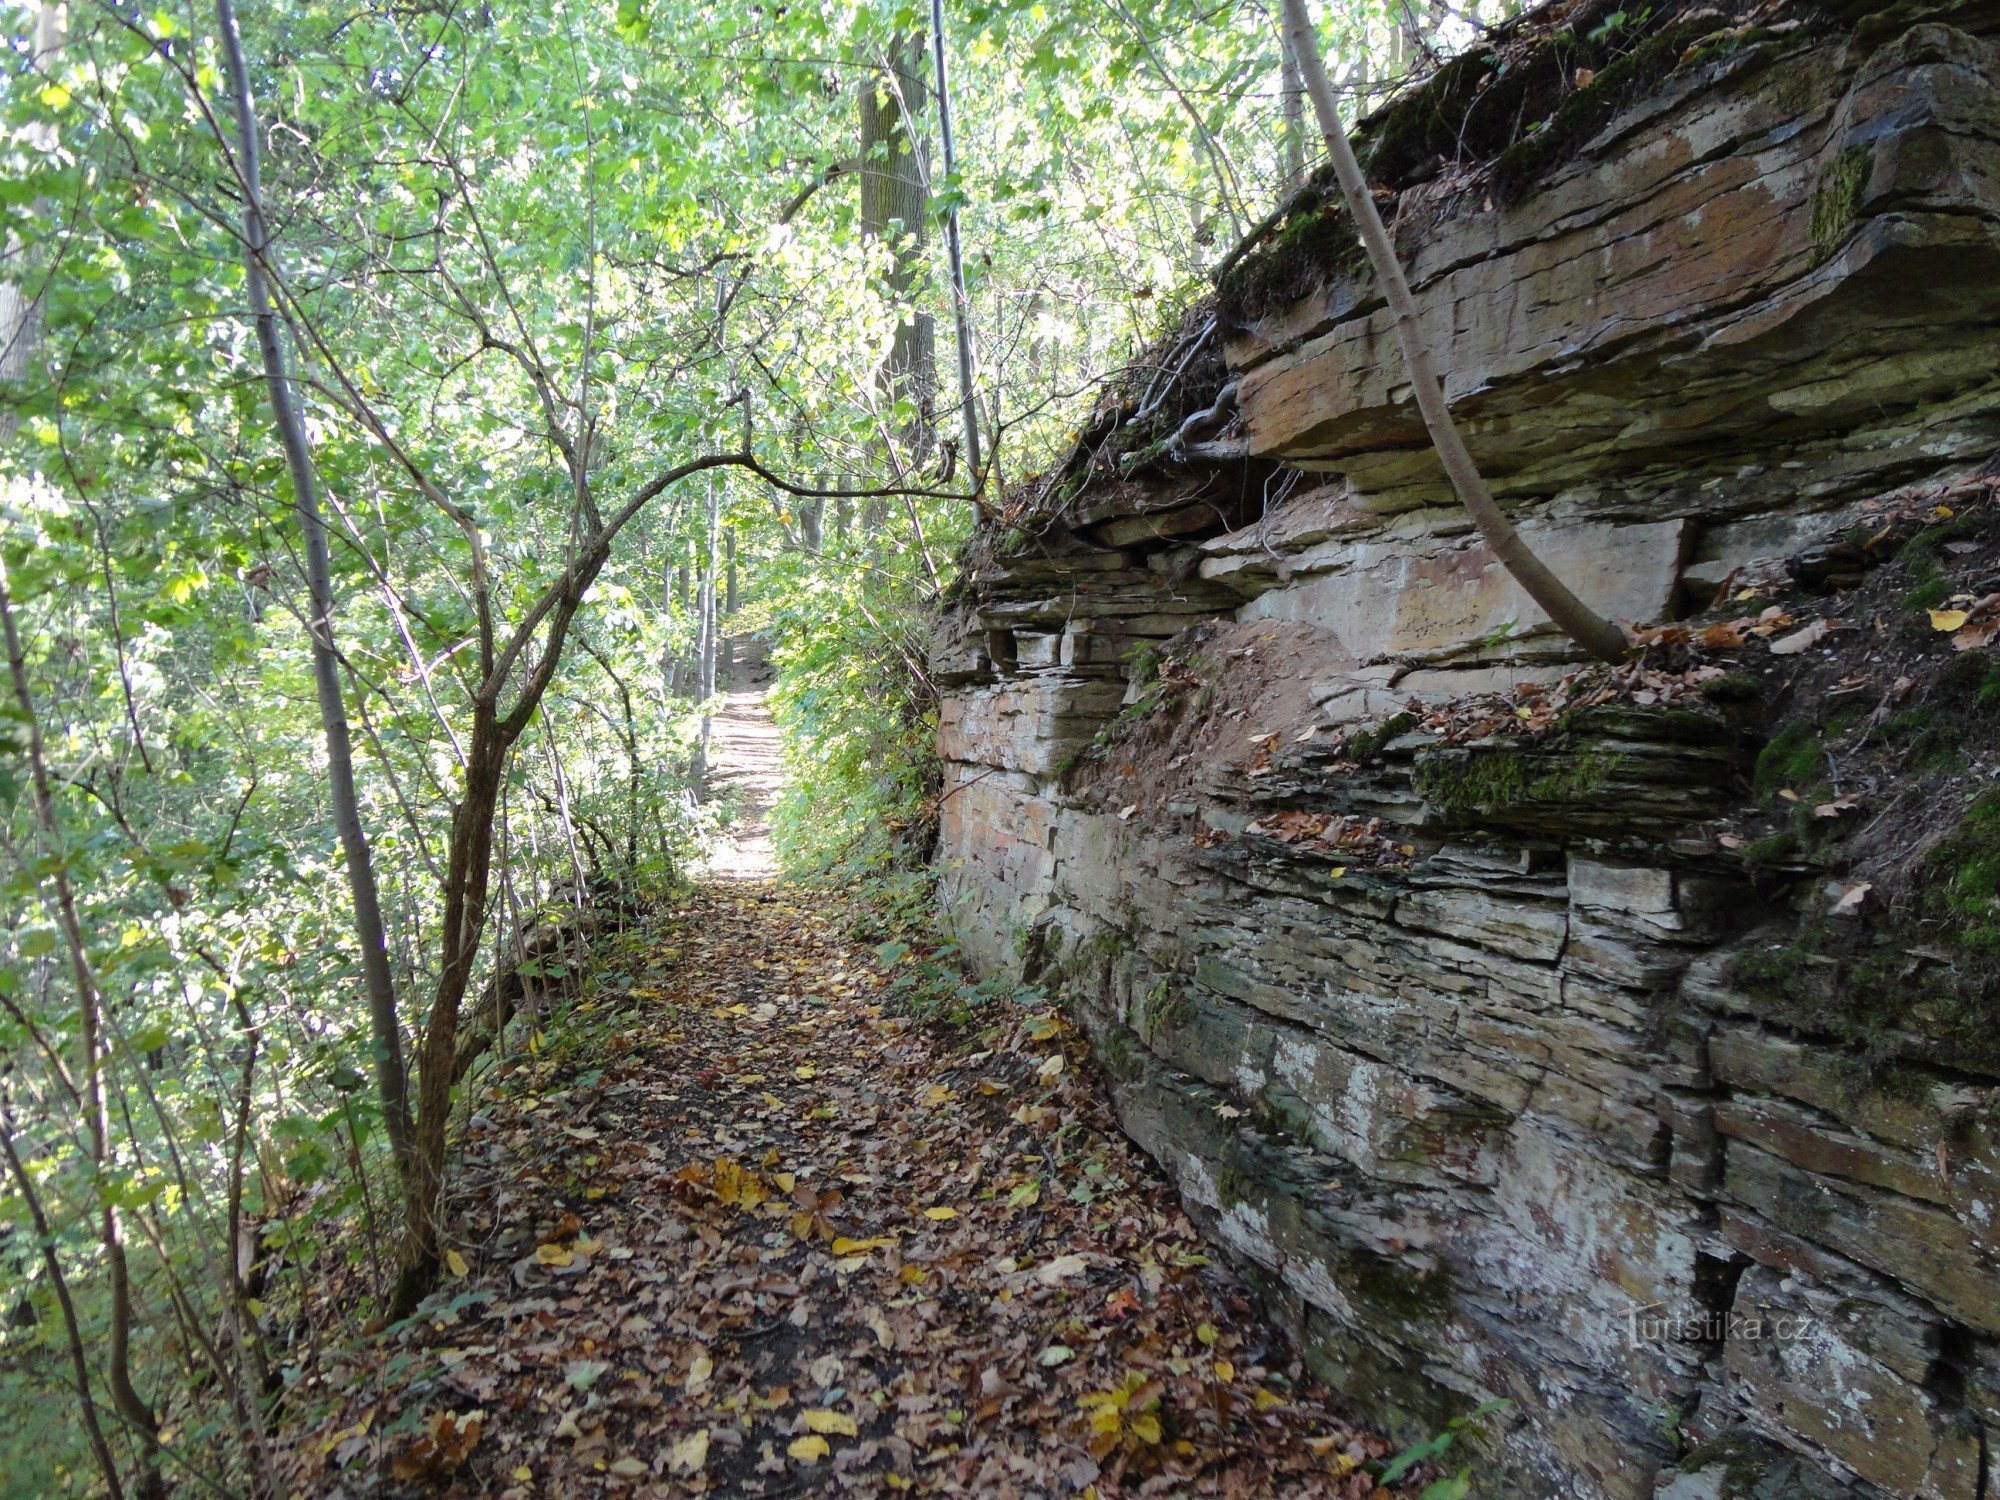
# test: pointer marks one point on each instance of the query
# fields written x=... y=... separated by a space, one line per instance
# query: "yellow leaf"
x=803 y=1072
x=553 y=1255
x=819 y=1419
x=1207 y=1334
x=786 y=1181
x=588 y=1246
x=699 y=1371
x=1337 y=871
x=940 y=1213
x=689 y=1454
x=937 y=1093
x=1948 y=620
x=1265 y=1400
x=845 y=1246
x=1050 y=1069
x=912 y=1274
x=594 y=1193
x=811 y=1449
x=629 y=1468
x=455 y=1263
x=523 y=1474
x=1106 y=1419
x=1145 y=1427
x=1224 y=1371
x=257 y=1309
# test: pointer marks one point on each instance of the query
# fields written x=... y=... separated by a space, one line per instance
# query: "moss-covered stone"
x=1366 y=744
x=1867 y=984
x=1317 y=245
x=1486 y=781
x=1617 y=84
x=1836 y=200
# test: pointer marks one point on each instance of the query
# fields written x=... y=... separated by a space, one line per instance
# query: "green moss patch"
x=1836 y=200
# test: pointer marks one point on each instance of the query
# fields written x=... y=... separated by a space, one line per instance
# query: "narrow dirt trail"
x=746 y=766
x=734 y=1226
x=745 y=1232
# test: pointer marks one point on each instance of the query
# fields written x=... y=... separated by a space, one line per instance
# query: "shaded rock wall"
x=1480 y=1106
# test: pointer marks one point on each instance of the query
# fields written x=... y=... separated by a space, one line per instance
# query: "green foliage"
x=860 y=720
x=1429 y=1450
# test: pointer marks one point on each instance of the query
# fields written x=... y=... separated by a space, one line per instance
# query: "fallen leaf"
x=1061 y=1268
x=553 y=1255
x=699 y=1370
x=844 y=1246
x=809 y=1449
x=632 y=1468
x=820 y=1419
x=1800 y=640
x=455 y=1263
x=940 y=1213
x=1050 y=1069
x=689 y=1454
x=1945 y=621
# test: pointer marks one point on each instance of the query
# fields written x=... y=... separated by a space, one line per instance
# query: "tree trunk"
x=961 y=307
x=894 y=208
x=377 y=980
x=1581 y=624
x=728 y=668
x=1292 y=98
x=468 y=872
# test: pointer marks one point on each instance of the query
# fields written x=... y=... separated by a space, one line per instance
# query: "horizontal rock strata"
x=1482 y=1108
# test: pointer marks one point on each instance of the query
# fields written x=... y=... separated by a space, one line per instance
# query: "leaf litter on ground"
x=756 y=1234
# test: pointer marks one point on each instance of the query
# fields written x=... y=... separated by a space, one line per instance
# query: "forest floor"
x=735 y=1226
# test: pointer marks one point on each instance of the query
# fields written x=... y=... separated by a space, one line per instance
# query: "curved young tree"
x=1572 y=616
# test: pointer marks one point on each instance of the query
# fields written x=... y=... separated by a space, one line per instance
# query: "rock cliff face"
x=1446 y=1036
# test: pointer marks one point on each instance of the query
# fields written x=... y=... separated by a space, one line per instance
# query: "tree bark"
x=1578 y=621
x=894 y=202
x=961 y=308
x=1292 y=100
x=391 y=1079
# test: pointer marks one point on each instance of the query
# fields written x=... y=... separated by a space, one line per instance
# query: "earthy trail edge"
x=734 y=1228
x=747 y=765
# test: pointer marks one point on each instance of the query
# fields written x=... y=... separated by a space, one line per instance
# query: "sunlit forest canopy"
x=408 y=413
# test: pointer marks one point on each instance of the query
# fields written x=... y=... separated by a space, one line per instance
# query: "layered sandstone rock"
x=1494 y=1114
